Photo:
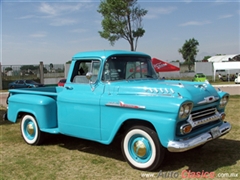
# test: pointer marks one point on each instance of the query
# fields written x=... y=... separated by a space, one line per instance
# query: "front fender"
x=165 y=125
x=160 y=111
x=42 y=107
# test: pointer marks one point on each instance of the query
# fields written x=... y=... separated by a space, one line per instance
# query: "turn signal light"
x=186 y=128
x=223 y=115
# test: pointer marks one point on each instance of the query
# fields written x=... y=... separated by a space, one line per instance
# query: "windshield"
x=127 y=68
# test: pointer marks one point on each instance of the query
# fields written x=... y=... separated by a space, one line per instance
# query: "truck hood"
x=198 y=92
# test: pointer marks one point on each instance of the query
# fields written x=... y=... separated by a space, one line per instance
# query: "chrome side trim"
x=122 y=104
x=184 y=145
x=160 y=90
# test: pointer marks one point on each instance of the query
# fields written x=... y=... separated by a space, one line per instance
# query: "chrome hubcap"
x=140 y=148
x=30 y=129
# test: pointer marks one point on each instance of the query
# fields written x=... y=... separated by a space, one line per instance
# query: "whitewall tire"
x=142 y=149
x=30 y=130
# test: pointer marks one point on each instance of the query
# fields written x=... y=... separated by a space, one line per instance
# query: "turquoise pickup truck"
x=109 y=93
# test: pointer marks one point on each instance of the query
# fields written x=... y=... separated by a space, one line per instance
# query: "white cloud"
x=195 y=23
x=78 y=30
x=26 y=17
x=221 y=1
x=59 y=8
x=58 y=14
x=225 y=16
x=63 y=22
x=187 y=1
x=38 y=35
x=154 y=12
x=47 y=9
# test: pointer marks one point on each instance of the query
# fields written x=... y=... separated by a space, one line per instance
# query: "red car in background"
x=61 y=82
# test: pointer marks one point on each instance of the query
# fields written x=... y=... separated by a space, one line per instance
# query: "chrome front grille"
x=204 y=116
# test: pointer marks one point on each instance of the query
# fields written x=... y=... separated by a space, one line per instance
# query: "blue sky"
x=53 y=31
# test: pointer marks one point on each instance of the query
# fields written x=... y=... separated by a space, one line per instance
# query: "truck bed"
x=45 y=91
x=38 y=102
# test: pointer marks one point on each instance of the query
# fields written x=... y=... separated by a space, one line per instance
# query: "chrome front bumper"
x=184 y=145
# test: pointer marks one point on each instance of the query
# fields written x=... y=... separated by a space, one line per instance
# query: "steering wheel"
x=131 y=75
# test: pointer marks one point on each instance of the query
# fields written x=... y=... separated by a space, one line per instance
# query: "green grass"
x=67 y=158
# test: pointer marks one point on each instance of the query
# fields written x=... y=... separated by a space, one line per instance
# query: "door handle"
x=69 y=87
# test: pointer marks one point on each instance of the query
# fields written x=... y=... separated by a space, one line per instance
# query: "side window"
x=82 y=67
x=95 y=70
x=20 y=82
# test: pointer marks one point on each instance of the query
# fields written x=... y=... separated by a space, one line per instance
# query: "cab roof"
x=103 y=54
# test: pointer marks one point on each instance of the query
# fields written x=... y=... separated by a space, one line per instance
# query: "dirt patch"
x=3 y=97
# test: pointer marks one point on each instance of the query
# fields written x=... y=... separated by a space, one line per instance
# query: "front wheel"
x=30 y=130
x=142 y=149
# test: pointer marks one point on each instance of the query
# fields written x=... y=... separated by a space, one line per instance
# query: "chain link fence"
x=12 y=73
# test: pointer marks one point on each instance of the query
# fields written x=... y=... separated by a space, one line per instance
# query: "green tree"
x=122 y=19
x=51 y=67
x=8 y=69
x=189 y=51
x=29 y=67
x=205 y=59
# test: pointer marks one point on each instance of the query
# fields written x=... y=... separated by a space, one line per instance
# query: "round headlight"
x=181 y=111
x=224 y=101
x=186 y=109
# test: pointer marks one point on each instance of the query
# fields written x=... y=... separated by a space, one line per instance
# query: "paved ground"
x=231 y=89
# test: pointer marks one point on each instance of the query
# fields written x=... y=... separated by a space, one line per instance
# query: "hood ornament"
x=201 y=86
x=209 y=99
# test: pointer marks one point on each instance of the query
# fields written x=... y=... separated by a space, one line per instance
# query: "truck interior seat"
x=80 y=79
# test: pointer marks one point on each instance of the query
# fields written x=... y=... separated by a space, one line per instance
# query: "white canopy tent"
x=222 y=58
x=225 y=66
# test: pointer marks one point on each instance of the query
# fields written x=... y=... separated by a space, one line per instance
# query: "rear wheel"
x=142 y=149
x=30 y=130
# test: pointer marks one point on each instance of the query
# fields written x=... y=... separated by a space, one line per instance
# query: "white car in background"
x=237 y=79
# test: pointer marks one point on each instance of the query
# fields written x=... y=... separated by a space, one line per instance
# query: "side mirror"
x=89 y=75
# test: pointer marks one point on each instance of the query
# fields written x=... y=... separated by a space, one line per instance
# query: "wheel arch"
x=19 y=114
x=164 y=128
x=135 y=122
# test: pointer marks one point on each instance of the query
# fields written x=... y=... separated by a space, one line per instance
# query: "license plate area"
x=215 y=132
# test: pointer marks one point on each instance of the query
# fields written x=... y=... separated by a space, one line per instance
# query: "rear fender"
x=43 y=108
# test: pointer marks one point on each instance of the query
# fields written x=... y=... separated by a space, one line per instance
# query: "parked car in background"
x=237 y=79
x=24 y=84
x=61 y=82
x=199 y=77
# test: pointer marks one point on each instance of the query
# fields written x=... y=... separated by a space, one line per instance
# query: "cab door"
x=79 y=102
